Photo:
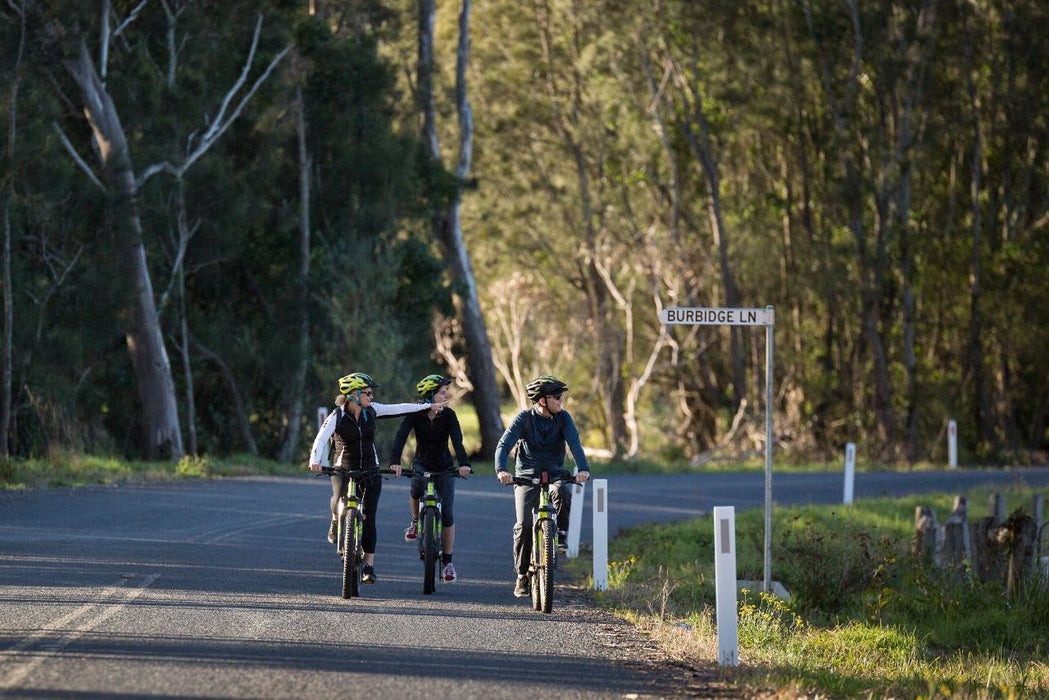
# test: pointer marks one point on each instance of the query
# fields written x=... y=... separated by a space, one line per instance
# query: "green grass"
x=865 y=620
x=76 y=469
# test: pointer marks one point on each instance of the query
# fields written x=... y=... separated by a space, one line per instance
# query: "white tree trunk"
x=145 y=341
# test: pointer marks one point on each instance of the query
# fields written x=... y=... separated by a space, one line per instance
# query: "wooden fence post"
x=956 y=546
x=926 y=534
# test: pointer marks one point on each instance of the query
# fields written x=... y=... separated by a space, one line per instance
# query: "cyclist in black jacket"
x=433 y=429
x=351 y=430
x=540 y=435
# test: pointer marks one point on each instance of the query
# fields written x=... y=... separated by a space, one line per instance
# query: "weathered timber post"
x=1023 y=534
x=988 y=546
x=926 y=534
x=956 y=546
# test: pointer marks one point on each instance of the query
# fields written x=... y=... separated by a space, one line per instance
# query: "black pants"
x=368 y=489
x=525 y=499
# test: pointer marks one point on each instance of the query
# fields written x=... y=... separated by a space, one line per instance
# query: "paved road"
x=228 y=589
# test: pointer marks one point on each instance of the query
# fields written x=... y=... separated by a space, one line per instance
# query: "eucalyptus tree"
x=119 y=183
x=447 y=223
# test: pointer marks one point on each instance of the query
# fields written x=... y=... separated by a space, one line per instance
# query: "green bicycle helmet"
x=544 y=385
x=355 y=381
x=430 y=384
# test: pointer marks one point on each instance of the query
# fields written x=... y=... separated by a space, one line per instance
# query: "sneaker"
x=521 y=590
x=449 y=572
x=412 y=533
x=368 y=574
x=332 y=529
x=562 y=541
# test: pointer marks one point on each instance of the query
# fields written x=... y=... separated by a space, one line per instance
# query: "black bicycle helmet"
x=545 y=385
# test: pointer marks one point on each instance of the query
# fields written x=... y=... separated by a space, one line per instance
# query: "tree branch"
x=76 y=157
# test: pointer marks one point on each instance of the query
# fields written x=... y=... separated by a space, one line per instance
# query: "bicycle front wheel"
x=351 y=548
x=430 y=550
x=546 y=565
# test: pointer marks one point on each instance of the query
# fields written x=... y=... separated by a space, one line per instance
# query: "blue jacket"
x=540 y=444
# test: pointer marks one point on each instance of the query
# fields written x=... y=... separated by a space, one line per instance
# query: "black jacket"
x=431 y=440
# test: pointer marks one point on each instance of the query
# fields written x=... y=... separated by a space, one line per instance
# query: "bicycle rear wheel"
x=430 y=550
x=351 y=548
x=546 y=565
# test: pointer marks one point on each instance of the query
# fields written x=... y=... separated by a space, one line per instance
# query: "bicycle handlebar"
x=428 y=474
x=537 y=481
x=353 y=473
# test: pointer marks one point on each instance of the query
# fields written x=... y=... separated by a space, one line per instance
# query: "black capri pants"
x=368 y=488
x=444 y=485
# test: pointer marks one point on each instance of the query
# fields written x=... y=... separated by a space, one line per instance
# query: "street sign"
x=716 y=317
x=742 y=317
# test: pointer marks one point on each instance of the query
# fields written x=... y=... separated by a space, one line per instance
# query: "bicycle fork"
x=350 y=501
x=545 y=511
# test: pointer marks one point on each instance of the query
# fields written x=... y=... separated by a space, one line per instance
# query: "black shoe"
x=368 y=574
x=332 y=529
x=521 y=590
x=562 y=541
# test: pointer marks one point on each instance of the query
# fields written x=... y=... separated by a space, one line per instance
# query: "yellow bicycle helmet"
x=430 y=384
x=355 y=381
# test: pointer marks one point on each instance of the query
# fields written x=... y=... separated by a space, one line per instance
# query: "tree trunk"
x=703 y=152
x=447 y=226
x=298 y=379
x=981 y=399
x=6 y=399
x=156 y=388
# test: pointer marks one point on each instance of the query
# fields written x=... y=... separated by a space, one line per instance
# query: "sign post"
x=742 y=317
x=952 y=444
x=575 y=519
x=850 y=472
x=725 y=584
x=600 y=534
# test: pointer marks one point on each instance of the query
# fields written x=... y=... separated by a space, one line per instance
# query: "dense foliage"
x=876 y=171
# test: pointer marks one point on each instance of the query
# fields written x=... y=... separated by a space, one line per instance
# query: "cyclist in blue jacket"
x=540 y=435
x=351 y=430
x=433 y=429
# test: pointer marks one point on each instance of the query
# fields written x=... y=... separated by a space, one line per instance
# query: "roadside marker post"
x=725 y=584
x=322 y=415
x=850 y=472
x=600 y=534
x=575 y=518
x=952 y=444
x=742 y=317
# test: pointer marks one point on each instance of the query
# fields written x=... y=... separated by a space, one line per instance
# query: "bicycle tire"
x=430 y=550
x=351 y=565
x=546 y=569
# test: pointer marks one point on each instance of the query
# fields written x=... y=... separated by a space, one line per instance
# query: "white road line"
x=28 y=664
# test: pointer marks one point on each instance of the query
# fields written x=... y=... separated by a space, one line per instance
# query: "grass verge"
x=866 y=619
x=76 y=469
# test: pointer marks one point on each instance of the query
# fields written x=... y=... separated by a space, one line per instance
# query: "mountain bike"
x=430 y=542
x=348 y=538
x=544 y=541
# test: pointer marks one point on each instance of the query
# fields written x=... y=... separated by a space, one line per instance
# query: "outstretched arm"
x=320 y=449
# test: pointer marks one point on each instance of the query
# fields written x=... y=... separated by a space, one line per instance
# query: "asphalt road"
x=229 y=589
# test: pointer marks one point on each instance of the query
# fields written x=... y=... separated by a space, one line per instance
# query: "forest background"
x=212 y=210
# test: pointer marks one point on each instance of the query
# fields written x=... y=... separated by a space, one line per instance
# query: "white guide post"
x=952 y=444
x=575 y=518
x=322 y=415
x=725 y=584
x=742 y=317
x=850 y=472
x=600 y=534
